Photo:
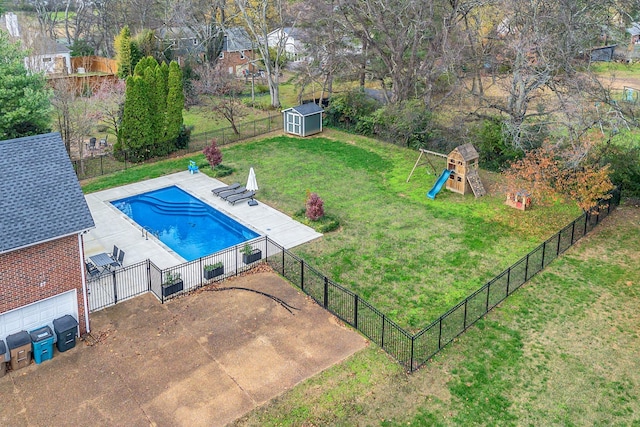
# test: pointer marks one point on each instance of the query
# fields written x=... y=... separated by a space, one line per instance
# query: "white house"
x=55 y=59
x=292 y=39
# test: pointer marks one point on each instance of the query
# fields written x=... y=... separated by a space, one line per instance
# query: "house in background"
x=235 y=49
x=44 y=215
x=47 y=56
x=303 y=120
x=52 y=58
x=237 y=55
x=293 y=41
x=633 y=50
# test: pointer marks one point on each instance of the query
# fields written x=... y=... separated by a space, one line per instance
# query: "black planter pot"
x=171 y=288
x=256 y=255
x=210 y=274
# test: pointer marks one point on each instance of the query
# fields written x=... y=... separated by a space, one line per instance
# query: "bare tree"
x=71 y=117
x=259 y=18
x=107 y=103
x=221 y=91
x=409 y=40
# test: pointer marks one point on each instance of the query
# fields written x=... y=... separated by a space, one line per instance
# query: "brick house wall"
x=235 y=61
x=42 y=271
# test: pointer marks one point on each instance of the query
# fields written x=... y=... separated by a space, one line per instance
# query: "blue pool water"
x=190 y=227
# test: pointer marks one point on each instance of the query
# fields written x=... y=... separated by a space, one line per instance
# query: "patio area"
x=115 y=228
x=204 y=359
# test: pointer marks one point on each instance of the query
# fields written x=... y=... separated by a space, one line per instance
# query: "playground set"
x=460 y=176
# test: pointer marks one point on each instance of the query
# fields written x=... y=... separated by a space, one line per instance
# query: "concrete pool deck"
x=115 y=228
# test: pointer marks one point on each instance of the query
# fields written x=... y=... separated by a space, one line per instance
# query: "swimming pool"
x=188 y=226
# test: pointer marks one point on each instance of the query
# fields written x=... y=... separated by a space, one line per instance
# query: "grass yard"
x=560 y=351
x=413 y=258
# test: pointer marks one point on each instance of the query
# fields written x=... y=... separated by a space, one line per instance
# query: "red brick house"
x=237 y=55
x=44 y=214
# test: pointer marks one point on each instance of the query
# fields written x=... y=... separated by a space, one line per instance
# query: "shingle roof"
x=41 y=196
x=306 y=109
x=467 y=152
x=236 y=39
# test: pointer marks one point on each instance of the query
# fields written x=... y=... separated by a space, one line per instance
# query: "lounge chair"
x=241 y=196
x=219 y=190
x=230 y=193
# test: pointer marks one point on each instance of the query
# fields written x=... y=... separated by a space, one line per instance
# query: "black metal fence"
x=411 y=350
x=103 y=162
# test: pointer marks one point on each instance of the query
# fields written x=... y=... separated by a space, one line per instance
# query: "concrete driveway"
x=201 y=360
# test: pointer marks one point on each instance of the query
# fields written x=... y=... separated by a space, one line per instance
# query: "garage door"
x=38 y=314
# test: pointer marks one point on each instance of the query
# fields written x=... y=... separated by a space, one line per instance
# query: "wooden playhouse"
x=462 y=162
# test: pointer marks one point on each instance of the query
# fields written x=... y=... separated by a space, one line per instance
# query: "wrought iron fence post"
x=488 y=291
x=586 y=221
x=283 y=263
x=115 y=288
x=302 y=274
x=464 y=322
x=558 y=248
x=573 y=229
x=509 y=278
x=413 y=339
x=382 y=332
x=355 y=311
x=526 y=268
x=326 y=292
x=440 y=334
x=148 y=274
x=544 y=247
x=161 y=282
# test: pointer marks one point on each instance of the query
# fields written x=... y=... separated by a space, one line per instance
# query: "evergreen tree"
x=162 y=76
x=175 y=102
x=122 y=46
x=136 y=134
x=24 y=97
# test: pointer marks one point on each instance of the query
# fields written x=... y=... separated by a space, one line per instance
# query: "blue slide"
x=439 y=183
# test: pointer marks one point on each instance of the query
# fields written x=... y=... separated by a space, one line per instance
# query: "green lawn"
x=411 y=257
x=563 y=350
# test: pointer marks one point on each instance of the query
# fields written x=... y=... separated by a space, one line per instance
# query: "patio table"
x=102 y=260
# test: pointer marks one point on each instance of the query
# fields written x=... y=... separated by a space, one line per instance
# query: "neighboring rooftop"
x=41 y=196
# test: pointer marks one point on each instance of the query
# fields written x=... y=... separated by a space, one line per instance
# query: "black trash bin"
x=66 y=328
x=3 y=365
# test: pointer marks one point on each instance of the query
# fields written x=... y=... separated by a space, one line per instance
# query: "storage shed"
x=303 y=120
x=463 y=164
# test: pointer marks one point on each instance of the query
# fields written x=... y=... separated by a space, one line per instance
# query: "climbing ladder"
x=476 y=184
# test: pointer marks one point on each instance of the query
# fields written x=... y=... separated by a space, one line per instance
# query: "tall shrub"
x=136 y=135
x=175 y=102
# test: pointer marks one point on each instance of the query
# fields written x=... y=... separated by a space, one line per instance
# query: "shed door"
x=38 y=314
x=294 y=124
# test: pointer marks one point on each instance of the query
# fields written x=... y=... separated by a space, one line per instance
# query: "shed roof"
x=306 y=109
x=41 y=196
x=468 y=152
